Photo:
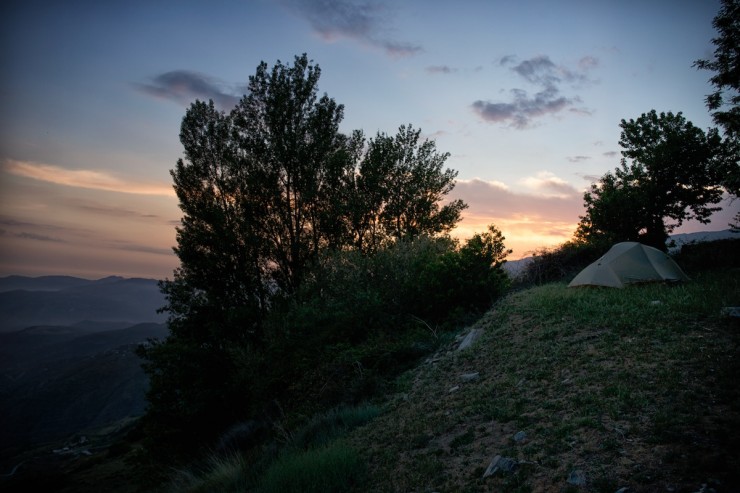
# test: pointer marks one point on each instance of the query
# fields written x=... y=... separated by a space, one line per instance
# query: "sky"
x=526 y=97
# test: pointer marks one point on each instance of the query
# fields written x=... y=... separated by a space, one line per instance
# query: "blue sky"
x=526 y=97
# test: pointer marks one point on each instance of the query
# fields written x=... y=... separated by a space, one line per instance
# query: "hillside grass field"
x=584 y=389
x=634 y=388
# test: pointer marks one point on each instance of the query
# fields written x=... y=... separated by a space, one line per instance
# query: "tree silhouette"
x=724 y=102
x=671 y=170
x=264 y=190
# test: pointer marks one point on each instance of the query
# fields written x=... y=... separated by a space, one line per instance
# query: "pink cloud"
x=528 y=220
x=81 y=178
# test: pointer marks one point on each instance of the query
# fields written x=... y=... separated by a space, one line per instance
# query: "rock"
x=502 y=464
x=577 y=477
x=453 y=389
x=472 y=336
x=520 y=436
x=470 y=377
x=623 y=489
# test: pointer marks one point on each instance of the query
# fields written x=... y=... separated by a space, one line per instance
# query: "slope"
x=573 y=390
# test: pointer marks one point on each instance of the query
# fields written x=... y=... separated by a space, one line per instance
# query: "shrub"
x=359 y=319
x=329 y=425
x=719 y=254
x=560 y=263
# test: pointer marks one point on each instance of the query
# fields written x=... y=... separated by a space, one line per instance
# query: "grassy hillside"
x=633 y=388
x=569 y=389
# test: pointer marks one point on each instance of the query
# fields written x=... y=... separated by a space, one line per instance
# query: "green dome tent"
x=628 y=263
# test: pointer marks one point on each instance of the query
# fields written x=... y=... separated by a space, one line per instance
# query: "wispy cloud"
x=38 y=237
x=440 y=69
x=578 y=159
x=362 y=21
x=520 y=111
x=45 y=228
x=106 y=210
x=588 y=62
x=184 y=86
x=547 y=184
x=590 y=178
x=137 y=247
x=91 y=179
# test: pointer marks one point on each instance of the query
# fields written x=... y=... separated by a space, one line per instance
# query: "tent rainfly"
x=628 y=263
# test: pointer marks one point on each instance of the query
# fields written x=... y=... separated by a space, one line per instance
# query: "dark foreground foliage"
x=356 y=322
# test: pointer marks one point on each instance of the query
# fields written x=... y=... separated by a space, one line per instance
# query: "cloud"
x=529 y=220
x=591 y=178
x=520 y=112
x=610 y=154
x=16 y=224
x=578 y=159
x=549 y=185
x=440 y=69
x=542 y=72
x=363 y=21
x=106 y=210
x=135 y=247
x=91 y=179
x=38 y=237
x=183 y=86
x=588 y=62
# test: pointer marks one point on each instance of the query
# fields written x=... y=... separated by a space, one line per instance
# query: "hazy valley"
x=67 y=357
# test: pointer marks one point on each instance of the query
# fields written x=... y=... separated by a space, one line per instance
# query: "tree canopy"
x=265 y=188
x=670 y=171
x=724 y=102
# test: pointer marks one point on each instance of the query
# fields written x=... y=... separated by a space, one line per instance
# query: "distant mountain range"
x=67 y=355
x=62 y=300
x=676 y=241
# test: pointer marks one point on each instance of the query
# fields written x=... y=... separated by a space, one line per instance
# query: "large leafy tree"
x=295 y=160
x=614 y=211
x=670 y=172
x=264 y=190
x=724 y=102
x=398 y=189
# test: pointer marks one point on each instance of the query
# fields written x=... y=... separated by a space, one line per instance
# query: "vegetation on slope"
x=618 y=388
x=577 y=389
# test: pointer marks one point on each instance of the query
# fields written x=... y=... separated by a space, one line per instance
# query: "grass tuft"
x=333 y=468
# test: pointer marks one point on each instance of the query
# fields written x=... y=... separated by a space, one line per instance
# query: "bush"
x=559 y=263
x=358 y=320
x=709 y=255
x=331 y=424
